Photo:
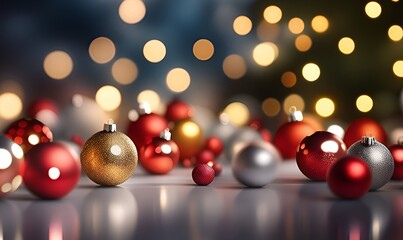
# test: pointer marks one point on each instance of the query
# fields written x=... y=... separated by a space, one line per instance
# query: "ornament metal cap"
x=295 y=115
x=145 y=108
x=110 y=126
x=166 y=134
x=368 y=140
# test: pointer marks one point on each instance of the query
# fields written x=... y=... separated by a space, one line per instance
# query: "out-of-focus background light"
x=58 y=65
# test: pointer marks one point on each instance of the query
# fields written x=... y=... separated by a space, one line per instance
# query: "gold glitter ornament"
x=109 y=157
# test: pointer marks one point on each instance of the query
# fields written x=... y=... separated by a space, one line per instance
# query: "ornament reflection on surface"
x=50 y=220
x=11 y=161
x=10 y=220
x=109 y=213
x=381 y=214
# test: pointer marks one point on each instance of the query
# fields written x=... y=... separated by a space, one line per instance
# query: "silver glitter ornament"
x=377 y=156
x=255 y=165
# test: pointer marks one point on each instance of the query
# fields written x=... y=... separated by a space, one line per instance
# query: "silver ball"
x=379 y=159
x=239 y=139
x=255 y=165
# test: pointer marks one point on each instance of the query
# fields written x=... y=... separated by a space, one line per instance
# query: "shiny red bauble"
x=145 y=128
x=397 y=152
x=28 y=132
x=50 y=170
x=363 y=127
x=214 y=144
x=160 y=156
x=349 y=177
x=178 y=110
x=289 y=135
x=205 y=156
x=317 y=152
x=203 y=174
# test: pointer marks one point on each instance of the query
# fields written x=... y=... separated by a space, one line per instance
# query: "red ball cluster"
x=212 y=148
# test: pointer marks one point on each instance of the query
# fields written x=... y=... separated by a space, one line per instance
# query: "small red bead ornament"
x=397 y=153
x=214 y=144
x=349 y=177
x=203 y=174
x=161 y=155
x=205 y=156
x=28 y=132
x=290 y=134
x=361 y=127
x=317 y=152
x=51 y=171
x=148 y=126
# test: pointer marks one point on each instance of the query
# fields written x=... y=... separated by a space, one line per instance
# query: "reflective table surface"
x=173 y=207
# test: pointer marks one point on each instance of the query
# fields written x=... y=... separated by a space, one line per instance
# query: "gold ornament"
x=188 y=136
x=109 y=157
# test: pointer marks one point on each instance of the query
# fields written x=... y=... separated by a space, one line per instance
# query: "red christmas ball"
x=51 y=171
x=205 y=156
x=160 y=156
x=145 y=128
x=28 y=132
x=289 y=135
x=349 y=177
x=178 y=110
x=217 y=168
x=203 y=174
x=397 y=153
x=266 y=134
x=45 y=111
x=215 y=145
x=188 y=162
x=362 y=127
x=317 y=152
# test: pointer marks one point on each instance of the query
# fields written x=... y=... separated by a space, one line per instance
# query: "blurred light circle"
x=364 y=103
x=311 y=72
x=271 y=107
x=58 y=65
x=11 y=106
x=108 y=98
x=398 y=68
x=373 y=9
x=151 y=97
x=102 y=50
x=132 y=11
x=272 y=14
x=288 y=79
x=124 y=71
x=296 y=25
x=234 y=66
x=178 y=80
x=238 y=113
x=154 y=51
x=203 y=49
x=242 y=25
x=303 y=43
x=325 y=107
x=265 y=53
x=395 y=33
x=320 y=24
x=293 y=101
x=346 y=45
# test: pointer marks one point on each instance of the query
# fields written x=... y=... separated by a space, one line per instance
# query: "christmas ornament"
x=289 y=135
x=266 y=134
x=361 y=127
x=214 y=145
x=205 y=156
x=11 y=159
x=50 y=170
x=45 y=111
x=377 y=156
x=397 y=153
x=256 y=163
x=148 y=126
x=109 y=157
x=187 y=134
x=257 y=124
x=28 y=132
x=349 y=177
x=240 y=138
x=178 y=110
x=161 y=155
x=317 y=152
x=216 y=166
x=203 y=174
x=188 y=162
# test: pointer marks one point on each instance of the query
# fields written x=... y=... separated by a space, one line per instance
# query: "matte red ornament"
x=205 y=156
x=217 y=168
x=289 y=135
x=362 y=127
x=178 y=110
x=203 y=174
x=51 y=171
x=397 y=153
x=161 y=155
x=349 y=177
x=215 y=145
x=317 y=152
x=28 y=132
x=148 y=126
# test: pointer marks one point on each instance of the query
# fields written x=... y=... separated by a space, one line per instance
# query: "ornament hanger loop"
x=166 y=134
x=368 y=139
x=295 y=115
x=110 y=126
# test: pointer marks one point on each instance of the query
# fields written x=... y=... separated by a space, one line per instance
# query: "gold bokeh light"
x=154 y=51
x=271 y=107
x=234 y=66
x=237 y=112
x=124 y=71
x=102 y=50
x=58 y=65
x=11 y=106
x=311 y=72
x=267 y=32
x=303 y=43
x=288 y=79
x=108 y=98
x=324 y=107
x=151 y=97
x=132 y=11
x=242 y=25
x=373 y=9
x=272 y=14
x=320 y=24
x=203 y=49
x=296 y=25
x=364 y=103
x=398 y=68
x=346 y=45
x=395 y=33
x=178 y=80
x=265 y=53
